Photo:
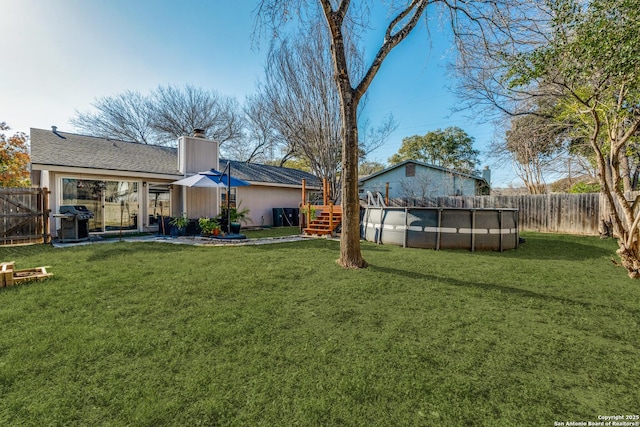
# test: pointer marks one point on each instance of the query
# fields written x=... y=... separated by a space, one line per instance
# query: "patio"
x=183 y=240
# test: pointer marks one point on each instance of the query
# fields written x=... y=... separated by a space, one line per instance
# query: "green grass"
x=154 y=334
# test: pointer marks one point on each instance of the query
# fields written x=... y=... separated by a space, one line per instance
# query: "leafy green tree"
x=585 y=187
x=585 y=55
x=14 y=159
x=297 y=163
x=367 y=168
x=451 y=148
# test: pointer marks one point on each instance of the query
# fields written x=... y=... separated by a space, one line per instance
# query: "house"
x=412 y=179
x=130 y=184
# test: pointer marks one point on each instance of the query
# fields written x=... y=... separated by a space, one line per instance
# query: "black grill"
x=74 y=223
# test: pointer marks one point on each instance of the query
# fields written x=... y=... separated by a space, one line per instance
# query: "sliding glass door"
x=158 y=205
x=115 y=204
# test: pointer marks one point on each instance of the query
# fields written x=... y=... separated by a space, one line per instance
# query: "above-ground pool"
x=442 y=228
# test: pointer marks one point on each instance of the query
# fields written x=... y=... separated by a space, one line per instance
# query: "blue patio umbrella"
x=225 y=178
x=200 y=180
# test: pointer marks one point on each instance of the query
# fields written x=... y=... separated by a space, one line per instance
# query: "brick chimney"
x=486 y=174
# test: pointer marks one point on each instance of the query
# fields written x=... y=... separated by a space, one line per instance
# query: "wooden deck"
x=327 y=219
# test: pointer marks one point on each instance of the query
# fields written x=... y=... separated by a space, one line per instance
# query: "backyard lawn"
x=155 y=334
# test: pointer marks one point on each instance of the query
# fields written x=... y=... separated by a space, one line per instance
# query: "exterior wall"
x=426 y=182
x=261 y=200
x=197 y=155
x=52 y=179
x=36 y=179
x=55 y=186
x=177 y=200
x=202 y=202
x=194 y=155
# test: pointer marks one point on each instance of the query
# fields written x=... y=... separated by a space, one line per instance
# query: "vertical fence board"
x=24 y=215
x=547 y=213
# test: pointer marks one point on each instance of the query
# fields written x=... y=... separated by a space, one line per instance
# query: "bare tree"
x=125 y=116
x=261 y=141
x=163 y=116
x=303 y=103
x=373 y=137
x=299 y=93
x=177 y=112
x=343 y=20
x=535 y=143
x=416 y=190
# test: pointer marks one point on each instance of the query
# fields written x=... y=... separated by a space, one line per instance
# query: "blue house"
x=413 y=179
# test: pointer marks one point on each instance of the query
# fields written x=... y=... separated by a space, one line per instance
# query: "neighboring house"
x=413 y=179
x=130 y=183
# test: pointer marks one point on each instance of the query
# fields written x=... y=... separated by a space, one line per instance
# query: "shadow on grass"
x=536 y=248
x=541 y=247
x=524 y=293
x=118 y=249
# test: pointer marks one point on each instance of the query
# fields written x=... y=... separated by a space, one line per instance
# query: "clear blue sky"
x=58 y=56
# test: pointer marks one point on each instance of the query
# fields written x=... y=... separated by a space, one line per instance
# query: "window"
x=410 y=169
x=114 y=204
x=232 y=199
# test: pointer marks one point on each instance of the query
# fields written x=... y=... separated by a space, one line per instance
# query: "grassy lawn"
x=154 y=334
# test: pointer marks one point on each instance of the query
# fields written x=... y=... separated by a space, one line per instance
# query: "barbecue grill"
x=74 y=223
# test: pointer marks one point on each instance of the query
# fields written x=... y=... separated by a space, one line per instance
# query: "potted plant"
x=236 y=217
x=180 y=224
x=311 y=210
x=209 y=226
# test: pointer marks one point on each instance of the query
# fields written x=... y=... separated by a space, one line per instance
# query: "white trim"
x=105 y=172
x=502 y=230
x=60 y=193
x=450 y=230
x=473 y=231
x=275 y=184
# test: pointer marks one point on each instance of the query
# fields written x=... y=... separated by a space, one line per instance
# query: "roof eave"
x=104 y=171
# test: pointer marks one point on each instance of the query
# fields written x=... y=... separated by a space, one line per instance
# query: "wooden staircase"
x=327 y=219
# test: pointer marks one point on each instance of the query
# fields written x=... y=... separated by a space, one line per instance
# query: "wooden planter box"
x=10 y=277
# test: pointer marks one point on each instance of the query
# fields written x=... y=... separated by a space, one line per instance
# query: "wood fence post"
x=46 y=231
x=303 y=202
x=331 y=218
x=386 y=194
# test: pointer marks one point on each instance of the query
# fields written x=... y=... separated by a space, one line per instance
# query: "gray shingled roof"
x=72 y=150
x=268 y=174
x=68 y=149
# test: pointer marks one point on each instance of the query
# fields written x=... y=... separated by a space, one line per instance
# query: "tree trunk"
x=626 y=174
x=623 y=220
x=350 y=255
x=630 y=259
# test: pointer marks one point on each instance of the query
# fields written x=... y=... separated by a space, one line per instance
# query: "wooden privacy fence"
x=24 y=215
x=550 y=213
